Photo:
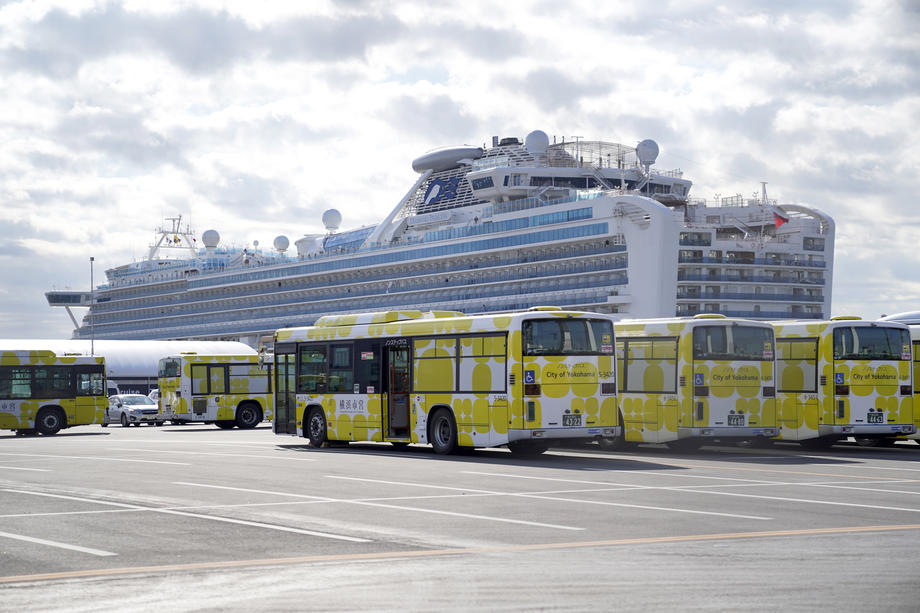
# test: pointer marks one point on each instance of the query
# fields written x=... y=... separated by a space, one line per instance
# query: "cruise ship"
x=587 y=225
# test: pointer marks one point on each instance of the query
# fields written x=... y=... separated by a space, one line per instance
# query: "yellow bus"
x=685 y=381
x=225 y=390
x=844 y=377
x=522 y=379
x=42 y=392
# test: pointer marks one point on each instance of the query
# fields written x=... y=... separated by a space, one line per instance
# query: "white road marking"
x=210 y=453
x=199 y=516
x=810 y=501
x=558 y=499
x=89 y=457
x=59 y=545
x=398 y=507
x=38 y=470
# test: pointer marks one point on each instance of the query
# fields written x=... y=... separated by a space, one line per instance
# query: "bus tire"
x=618 y=443
x=442 y=431
x=50 y=421
x=225 y=424
x=248 y=416
x=819 y=443
x=527 y=448
x=315 y=427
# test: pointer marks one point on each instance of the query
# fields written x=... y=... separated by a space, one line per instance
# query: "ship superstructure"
x=587 y=225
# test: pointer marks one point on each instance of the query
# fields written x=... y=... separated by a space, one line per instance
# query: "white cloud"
x=253 y=119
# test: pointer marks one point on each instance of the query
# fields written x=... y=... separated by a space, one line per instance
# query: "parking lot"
x=192 y=517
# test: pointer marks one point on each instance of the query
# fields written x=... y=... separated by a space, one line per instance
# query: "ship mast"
x=174 y=237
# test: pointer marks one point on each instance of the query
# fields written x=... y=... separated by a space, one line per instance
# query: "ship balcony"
x=686 y=259
x=683 y=276
x=684 y=311
x=757 y=297
x=198 y=328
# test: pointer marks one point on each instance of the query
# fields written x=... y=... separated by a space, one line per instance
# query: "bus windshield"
x=168 y=368
x=568 y=337
x=871 y=343
x=732 y=343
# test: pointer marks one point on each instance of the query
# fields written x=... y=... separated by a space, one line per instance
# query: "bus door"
x=396 y=379
x=285 y=421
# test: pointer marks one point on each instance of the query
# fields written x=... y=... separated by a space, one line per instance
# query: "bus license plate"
x=876 y=418
x=571 y=420
x=736 y=420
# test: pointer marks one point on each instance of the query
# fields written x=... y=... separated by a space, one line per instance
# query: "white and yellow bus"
x=226 y=390
x=42 y=392
x=685 y=381
x=915 y=340
x=844 y=377
x=522 y=379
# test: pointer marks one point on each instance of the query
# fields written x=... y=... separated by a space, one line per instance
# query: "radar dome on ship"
x=446 y=158
x=210 y=238
x=281 y=243
x=332 y=219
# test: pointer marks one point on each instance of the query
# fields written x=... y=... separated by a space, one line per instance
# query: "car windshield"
x=136 y=400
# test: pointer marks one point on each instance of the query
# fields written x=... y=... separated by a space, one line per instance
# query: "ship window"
x=482 y=182
x=541 y=181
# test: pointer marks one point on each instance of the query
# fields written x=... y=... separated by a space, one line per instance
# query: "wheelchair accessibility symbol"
x=838 y=378
x=698 y=379
x=530 y=376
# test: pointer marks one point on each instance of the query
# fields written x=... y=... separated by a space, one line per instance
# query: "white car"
x=154 y=395
x=132 y=409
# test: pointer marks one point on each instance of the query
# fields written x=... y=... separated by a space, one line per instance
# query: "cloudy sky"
x=252 y=118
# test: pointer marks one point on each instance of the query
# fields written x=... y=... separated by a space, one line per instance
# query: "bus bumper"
x=866 y=429
x=552 y=434
x=724 y=432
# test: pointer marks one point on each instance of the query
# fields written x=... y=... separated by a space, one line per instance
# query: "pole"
x=92 y=301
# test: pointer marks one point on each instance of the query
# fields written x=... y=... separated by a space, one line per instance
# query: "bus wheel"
x=50 y=421
x=316 y=427
x=442 y=432
x=527 y=448
x=618 y=443
x=248 y=416
x=685 y=444
x=225 y=424
x=819 y=443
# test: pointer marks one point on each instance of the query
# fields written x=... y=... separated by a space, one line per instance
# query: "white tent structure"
x=131 y=365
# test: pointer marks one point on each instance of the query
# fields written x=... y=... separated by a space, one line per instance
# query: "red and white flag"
x=779 y=218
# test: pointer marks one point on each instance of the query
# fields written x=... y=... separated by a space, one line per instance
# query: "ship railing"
x=752 y=279
x=750 y=296
x=754 y=262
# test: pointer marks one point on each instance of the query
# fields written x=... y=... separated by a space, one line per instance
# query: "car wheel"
x=124 y=420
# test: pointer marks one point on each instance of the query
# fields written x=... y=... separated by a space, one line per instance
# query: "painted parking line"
x=472 y=551
x=228 y=520
x=810 y=501
x=88 y=457
x=381 y=505
x=211 y=453
x=543 y=496
x=58 y=544
x=37 y=470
